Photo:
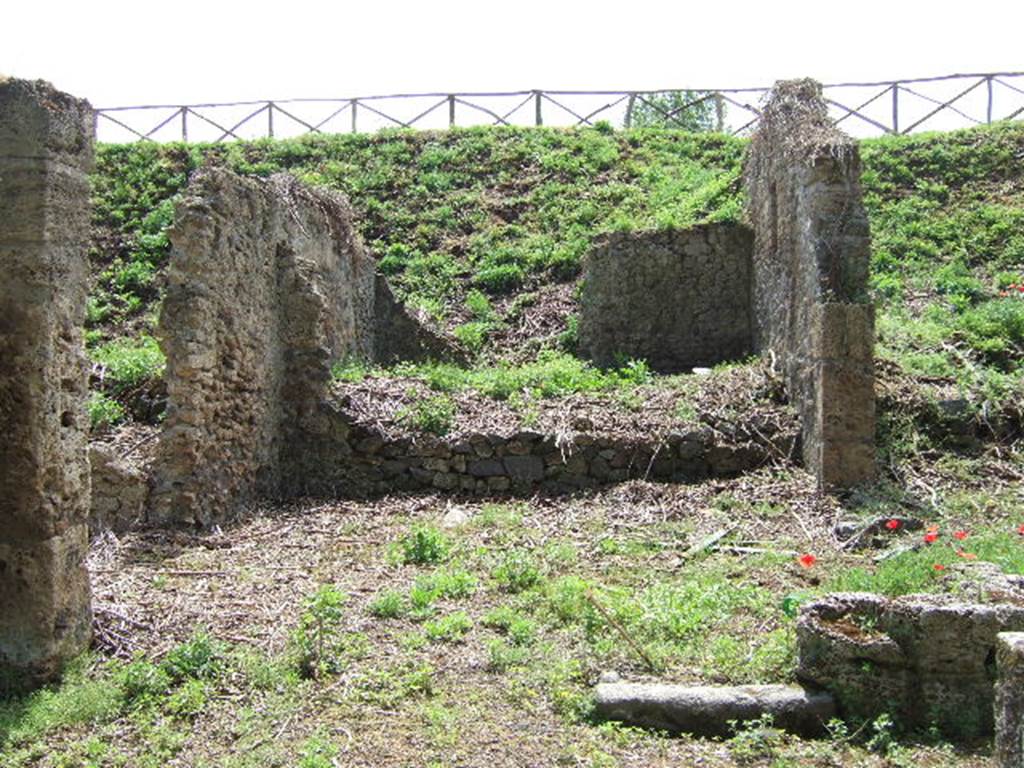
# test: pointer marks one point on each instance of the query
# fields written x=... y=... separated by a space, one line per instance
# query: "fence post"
x=895 y=108
x=719 y=112
x=451 y=110
x=988 y=114
x=628 y=123
x=538 y=117
x=270 y=119
x=355 y=105
x=184 y=124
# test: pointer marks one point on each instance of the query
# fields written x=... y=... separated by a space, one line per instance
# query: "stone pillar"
x=812 y=248
x=1009 y=700
x=46 y=140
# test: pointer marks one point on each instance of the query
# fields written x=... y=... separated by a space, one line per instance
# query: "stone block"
x=708 y=710
x=1009 y=700
x=527 y=468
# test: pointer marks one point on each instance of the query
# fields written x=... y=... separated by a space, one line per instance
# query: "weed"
x=317 y=641
x=449 y=629
x=318 y=751
x=448 y=582
x=435 y=415
x=389 y=604
x=199 y=658
x=424 y=545
x=517 y=571
x=104 y=411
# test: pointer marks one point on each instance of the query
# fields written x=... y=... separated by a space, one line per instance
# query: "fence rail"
x=869 y=108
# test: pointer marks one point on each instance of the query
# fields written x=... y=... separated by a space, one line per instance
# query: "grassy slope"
x=497 y=215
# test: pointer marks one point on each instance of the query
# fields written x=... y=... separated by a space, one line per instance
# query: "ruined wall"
x=675 y=298
x=268 y=286
x=924 y=659
x=46 y=142
x=811 y=255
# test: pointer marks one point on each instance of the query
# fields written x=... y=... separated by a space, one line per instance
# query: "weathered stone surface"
x=268 y=286
x=707 y=710
x=46 y=140
x=528 y=468
x=119 y=492
x=810 y=267
x=925 y=659
x=1009 y=700
x=675 y=298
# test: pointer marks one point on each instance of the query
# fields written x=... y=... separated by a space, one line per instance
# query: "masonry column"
x=46 y=140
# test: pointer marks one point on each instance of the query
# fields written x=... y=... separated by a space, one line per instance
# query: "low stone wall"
x=352 y=459
x=811 y=254
x=46 y=140
x=924 y=659
x=675 y=298
x=268 y=286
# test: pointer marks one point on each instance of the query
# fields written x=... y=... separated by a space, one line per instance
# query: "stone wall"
x=923 y=659
x=268 y=286
x=675 y=298
x=46 y=140
x=811 y=256
x=359 y=460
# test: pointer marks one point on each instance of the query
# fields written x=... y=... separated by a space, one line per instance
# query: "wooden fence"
x=872 y=108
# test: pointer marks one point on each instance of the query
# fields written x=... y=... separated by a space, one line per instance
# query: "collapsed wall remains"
x=926 y=660
x=675 y=298
x=46 y=140
x=268 y=286
x=810 y=278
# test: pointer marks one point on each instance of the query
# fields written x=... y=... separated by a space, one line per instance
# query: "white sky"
x=125 y=53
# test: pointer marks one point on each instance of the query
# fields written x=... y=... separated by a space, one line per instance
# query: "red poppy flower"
x=939 y=567
x=893 y=524
x=966 y=555
x=930 y=537
x=1020 y=530
x=806 y=561
x=960 y=535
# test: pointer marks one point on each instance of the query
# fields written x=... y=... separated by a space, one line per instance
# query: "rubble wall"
x=810 y=278
x=46 y=141
x=268 y=286
x=675 y=298
x=926 y=660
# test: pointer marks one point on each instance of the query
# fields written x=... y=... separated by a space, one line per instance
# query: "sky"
x=129 y=53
